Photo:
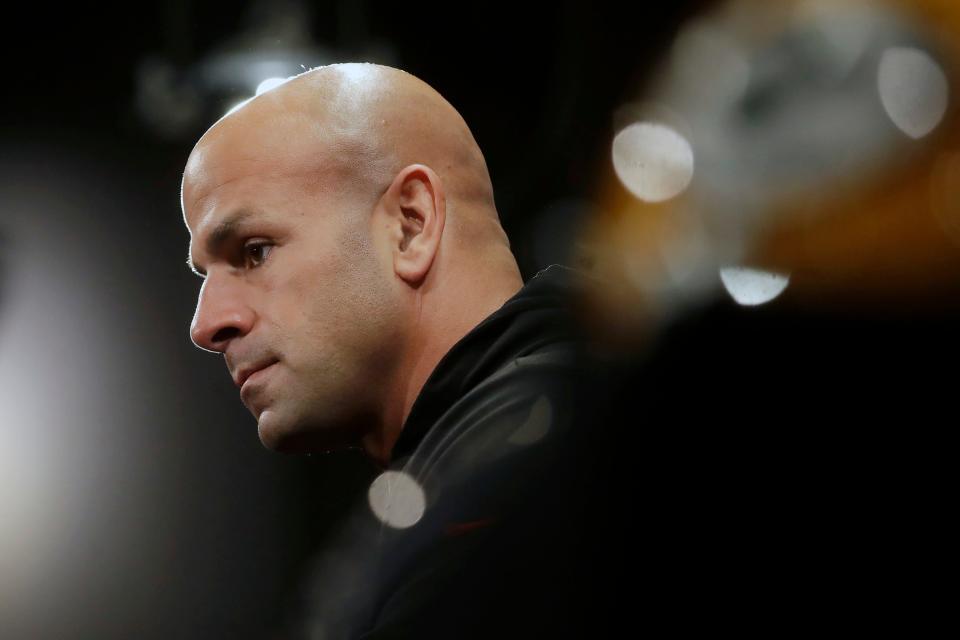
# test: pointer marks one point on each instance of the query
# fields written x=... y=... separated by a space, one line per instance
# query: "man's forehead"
x=271 y=145
x=214 y=162
x=224 y=183
x=211 y=197
x=280 y=152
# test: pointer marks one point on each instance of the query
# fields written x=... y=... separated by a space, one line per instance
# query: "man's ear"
x=415 y=207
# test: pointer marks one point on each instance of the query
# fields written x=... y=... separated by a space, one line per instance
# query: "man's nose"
x=221 y=315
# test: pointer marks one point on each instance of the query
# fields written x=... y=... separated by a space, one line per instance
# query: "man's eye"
x=257 y=251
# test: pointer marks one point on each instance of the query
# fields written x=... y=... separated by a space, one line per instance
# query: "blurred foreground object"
x=804 y=148
x=177 y=91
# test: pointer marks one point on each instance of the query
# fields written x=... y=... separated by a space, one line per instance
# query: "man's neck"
x=447 y=311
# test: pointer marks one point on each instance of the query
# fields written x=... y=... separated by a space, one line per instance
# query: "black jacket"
x=563 y=498
x=500 y=442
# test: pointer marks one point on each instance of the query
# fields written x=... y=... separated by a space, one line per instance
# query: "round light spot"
x=654 y=162
x=913 y=89
x=751 y=287
x=396 y=499
x=269 y=83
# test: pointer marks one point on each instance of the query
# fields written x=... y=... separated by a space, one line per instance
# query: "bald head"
x=346 y=227
x=345 y=130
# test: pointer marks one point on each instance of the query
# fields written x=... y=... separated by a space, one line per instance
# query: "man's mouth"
x=246 y=373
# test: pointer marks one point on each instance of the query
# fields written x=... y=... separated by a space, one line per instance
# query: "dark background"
x=176 y=523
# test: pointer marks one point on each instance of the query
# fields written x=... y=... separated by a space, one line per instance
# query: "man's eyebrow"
x=223 y=232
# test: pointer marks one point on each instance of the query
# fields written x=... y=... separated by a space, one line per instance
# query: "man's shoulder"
x=494 y=486
x=528 y=407
x=496 y=545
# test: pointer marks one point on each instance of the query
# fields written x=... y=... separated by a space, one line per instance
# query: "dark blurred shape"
x=816 y=129
x=175 y=100
x=557 y=230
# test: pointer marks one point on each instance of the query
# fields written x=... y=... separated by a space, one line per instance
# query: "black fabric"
x=501 y=441
x=687 y=492
x=537 y=318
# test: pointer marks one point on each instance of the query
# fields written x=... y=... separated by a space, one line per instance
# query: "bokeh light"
x=653 y=161
x=913 y=89
x=396 y=499
x=751 y=287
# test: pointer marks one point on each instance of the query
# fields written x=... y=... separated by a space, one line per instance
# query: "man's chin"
x=276 y=438
x=284 y=438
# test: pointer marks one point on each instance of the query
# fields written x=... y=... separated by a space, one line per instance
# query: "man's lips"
x=246 y=372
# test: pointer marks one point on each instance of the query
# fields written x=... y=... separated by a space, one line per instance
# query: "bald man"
x=360 y=287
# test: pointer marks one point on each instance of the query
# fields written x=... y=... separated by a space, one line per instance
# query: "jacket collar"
x=538 y=315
